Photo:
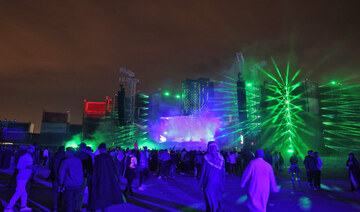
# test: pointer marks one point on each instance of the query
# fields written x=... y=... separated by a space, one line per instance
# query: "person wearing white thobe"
x=24 y=166
x=261 y=179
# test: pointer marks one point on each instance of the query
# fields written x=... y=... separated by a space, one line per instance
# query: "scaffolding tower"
x=128 y=81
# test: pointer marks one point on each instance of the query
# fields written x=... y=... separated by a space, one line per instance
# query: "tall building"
x=54 y=127
x=196 y=95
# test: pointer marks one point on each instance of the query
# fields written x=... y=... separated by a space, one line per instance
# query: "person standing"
x=319 y=164
x=187 y=165
x=24 y=166
x=232 y=160
x=226 y=155
x=71 y=177
x=120 y=161
x=173 y=163
x=294 y=168
x=130 y=171
x=7 y=153
x=165 y=164
x=261 y=179
x=310 y=165
x=276 y=161
x=54 y=174
x=212 y=180
x=87 y=164
x=105 y=190
x=198 y=161
x=158 y=164
x=182 y=162
x=352 y=164
x=238 y=165
x=143 y=168
x=281 y=161
x=268 y=158
x=45 y=157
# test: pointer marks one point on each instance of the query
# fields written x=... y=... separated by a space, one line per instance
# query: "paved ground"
x=183 y=194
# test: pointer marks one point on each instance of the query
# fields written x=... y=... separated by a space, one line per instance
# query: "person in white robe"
x=260 y=178
x=24 y=166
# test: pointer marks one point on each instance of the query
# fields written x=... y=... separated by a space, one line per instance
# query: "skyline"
x=53 y=56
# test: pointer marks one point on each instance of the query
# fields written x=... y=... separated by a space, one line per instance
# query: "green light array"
x=283 y=123
x=340 y=106
x=253 y=99
x=226 y=109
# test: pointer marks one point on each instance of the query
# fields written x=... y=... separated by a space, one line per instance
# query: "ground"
x=183 y=194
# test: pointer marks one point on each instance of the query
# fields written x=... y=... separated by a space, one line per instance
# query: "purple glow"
x=188 y=128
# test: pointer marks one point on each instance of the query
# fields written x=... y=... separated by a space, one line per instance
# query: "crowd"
x=80 y=172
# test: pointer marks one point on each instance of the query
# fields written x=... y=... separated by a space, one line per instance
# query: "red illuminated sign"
x=97 y=109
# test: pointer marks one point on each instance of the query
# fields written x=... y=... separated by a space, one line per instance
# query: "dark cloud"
x=55 y=54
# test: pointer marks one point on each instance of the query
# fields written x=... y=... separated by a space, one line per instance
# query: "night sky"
x=54 y=54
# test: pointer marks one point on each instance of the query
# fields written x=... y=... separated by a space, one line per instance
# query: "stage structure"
x=128 y=81
x=241 y=94
x=290 y=113
x=197 y=95
x=183 y=120
x=142 y=117
x=237 y=107
x=125 y=108
x=201 y=127
x=162 y=104
x=253 y=104
x=226 y=111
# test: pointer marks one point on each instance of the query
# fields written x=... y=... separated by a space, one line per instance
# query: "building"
x=16 y=132
x=54 y=127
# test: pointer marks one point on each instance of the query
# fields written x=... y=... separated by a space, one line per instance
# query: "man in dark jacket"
x=105 y=189
x=310 y=166
x=87 y=168
x=54 y=175
x=71 y=177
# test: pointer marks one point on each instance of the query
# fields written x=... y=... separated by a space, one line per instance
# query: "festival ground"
x=182 y=194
